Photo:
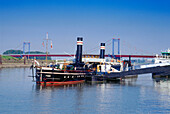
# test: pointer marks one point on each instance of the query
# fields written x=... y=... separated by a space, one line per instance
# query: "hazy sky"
x=143 y=26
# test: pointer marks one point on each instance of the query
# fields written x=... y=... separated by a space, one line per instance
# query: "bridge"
x=85 y=55
x=109 y=42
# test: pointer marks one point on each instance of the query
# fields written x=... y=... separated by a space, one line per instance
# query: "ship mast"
x=47 y=46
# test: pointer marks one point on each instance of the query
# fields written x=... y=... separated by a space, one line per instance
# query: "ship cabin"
x=166 y=54
x=100 y=66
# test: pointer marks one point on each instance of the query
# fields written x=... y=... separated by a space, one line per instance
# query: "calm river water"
x=19 y=94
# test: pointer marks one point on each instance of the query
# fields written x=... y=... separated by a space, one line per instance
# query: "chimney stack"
x=102 y=51
x=79 y=50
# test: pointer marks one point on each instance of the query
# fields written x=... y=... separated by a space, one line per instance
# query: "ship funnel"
x=102 y=51
x=79 y=50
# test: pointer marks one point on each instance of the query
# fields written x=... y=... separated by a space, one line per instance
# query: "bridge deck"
x=84 y=55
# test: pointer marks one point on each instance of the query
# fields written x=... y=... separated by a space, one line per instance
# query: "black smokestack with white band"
x=79 y=50
x=102 y=51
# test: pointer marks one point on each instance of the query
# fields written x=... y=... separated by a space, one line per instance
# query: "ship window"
x=70 y=67
x=117 y=67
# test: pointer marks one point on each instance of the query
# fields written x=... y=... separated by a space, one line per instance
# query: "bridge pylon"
x=113 y=41
x=26 y=43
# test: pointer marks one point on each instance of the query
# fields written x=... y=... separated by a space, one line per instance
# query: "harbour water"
x=19 y=94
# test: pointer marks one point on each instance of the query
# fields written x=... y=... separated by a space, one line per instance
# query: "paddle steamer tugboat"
x=61 y=74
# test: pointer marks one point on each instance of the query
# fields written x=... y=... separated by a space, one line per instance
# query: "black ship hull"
x=59 y=77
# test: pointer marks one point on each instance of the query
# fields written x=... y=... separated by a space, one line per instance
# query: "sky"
x=143 y=26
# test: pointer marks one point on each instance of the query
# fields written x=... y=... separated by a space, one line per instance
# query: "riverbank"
x=15 y=65
x=20 y=63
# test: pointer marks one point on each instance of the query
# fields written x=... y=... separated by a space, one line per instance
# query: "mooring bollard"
x=41 y=75
x=0 y=59
x=24 y=60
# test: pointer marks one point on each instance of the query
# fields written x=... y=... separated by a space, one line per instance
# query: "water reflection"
x=54 y=87
x=129 y=81
x=93 y=96
x=163 y=88
x=60 y=97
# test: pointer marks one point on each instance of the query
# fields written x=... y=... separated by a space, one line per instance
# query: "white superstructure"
x=163 y=60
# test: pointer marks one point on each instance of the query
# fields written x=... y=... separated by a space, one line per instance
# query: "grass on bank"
x=9 y=57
